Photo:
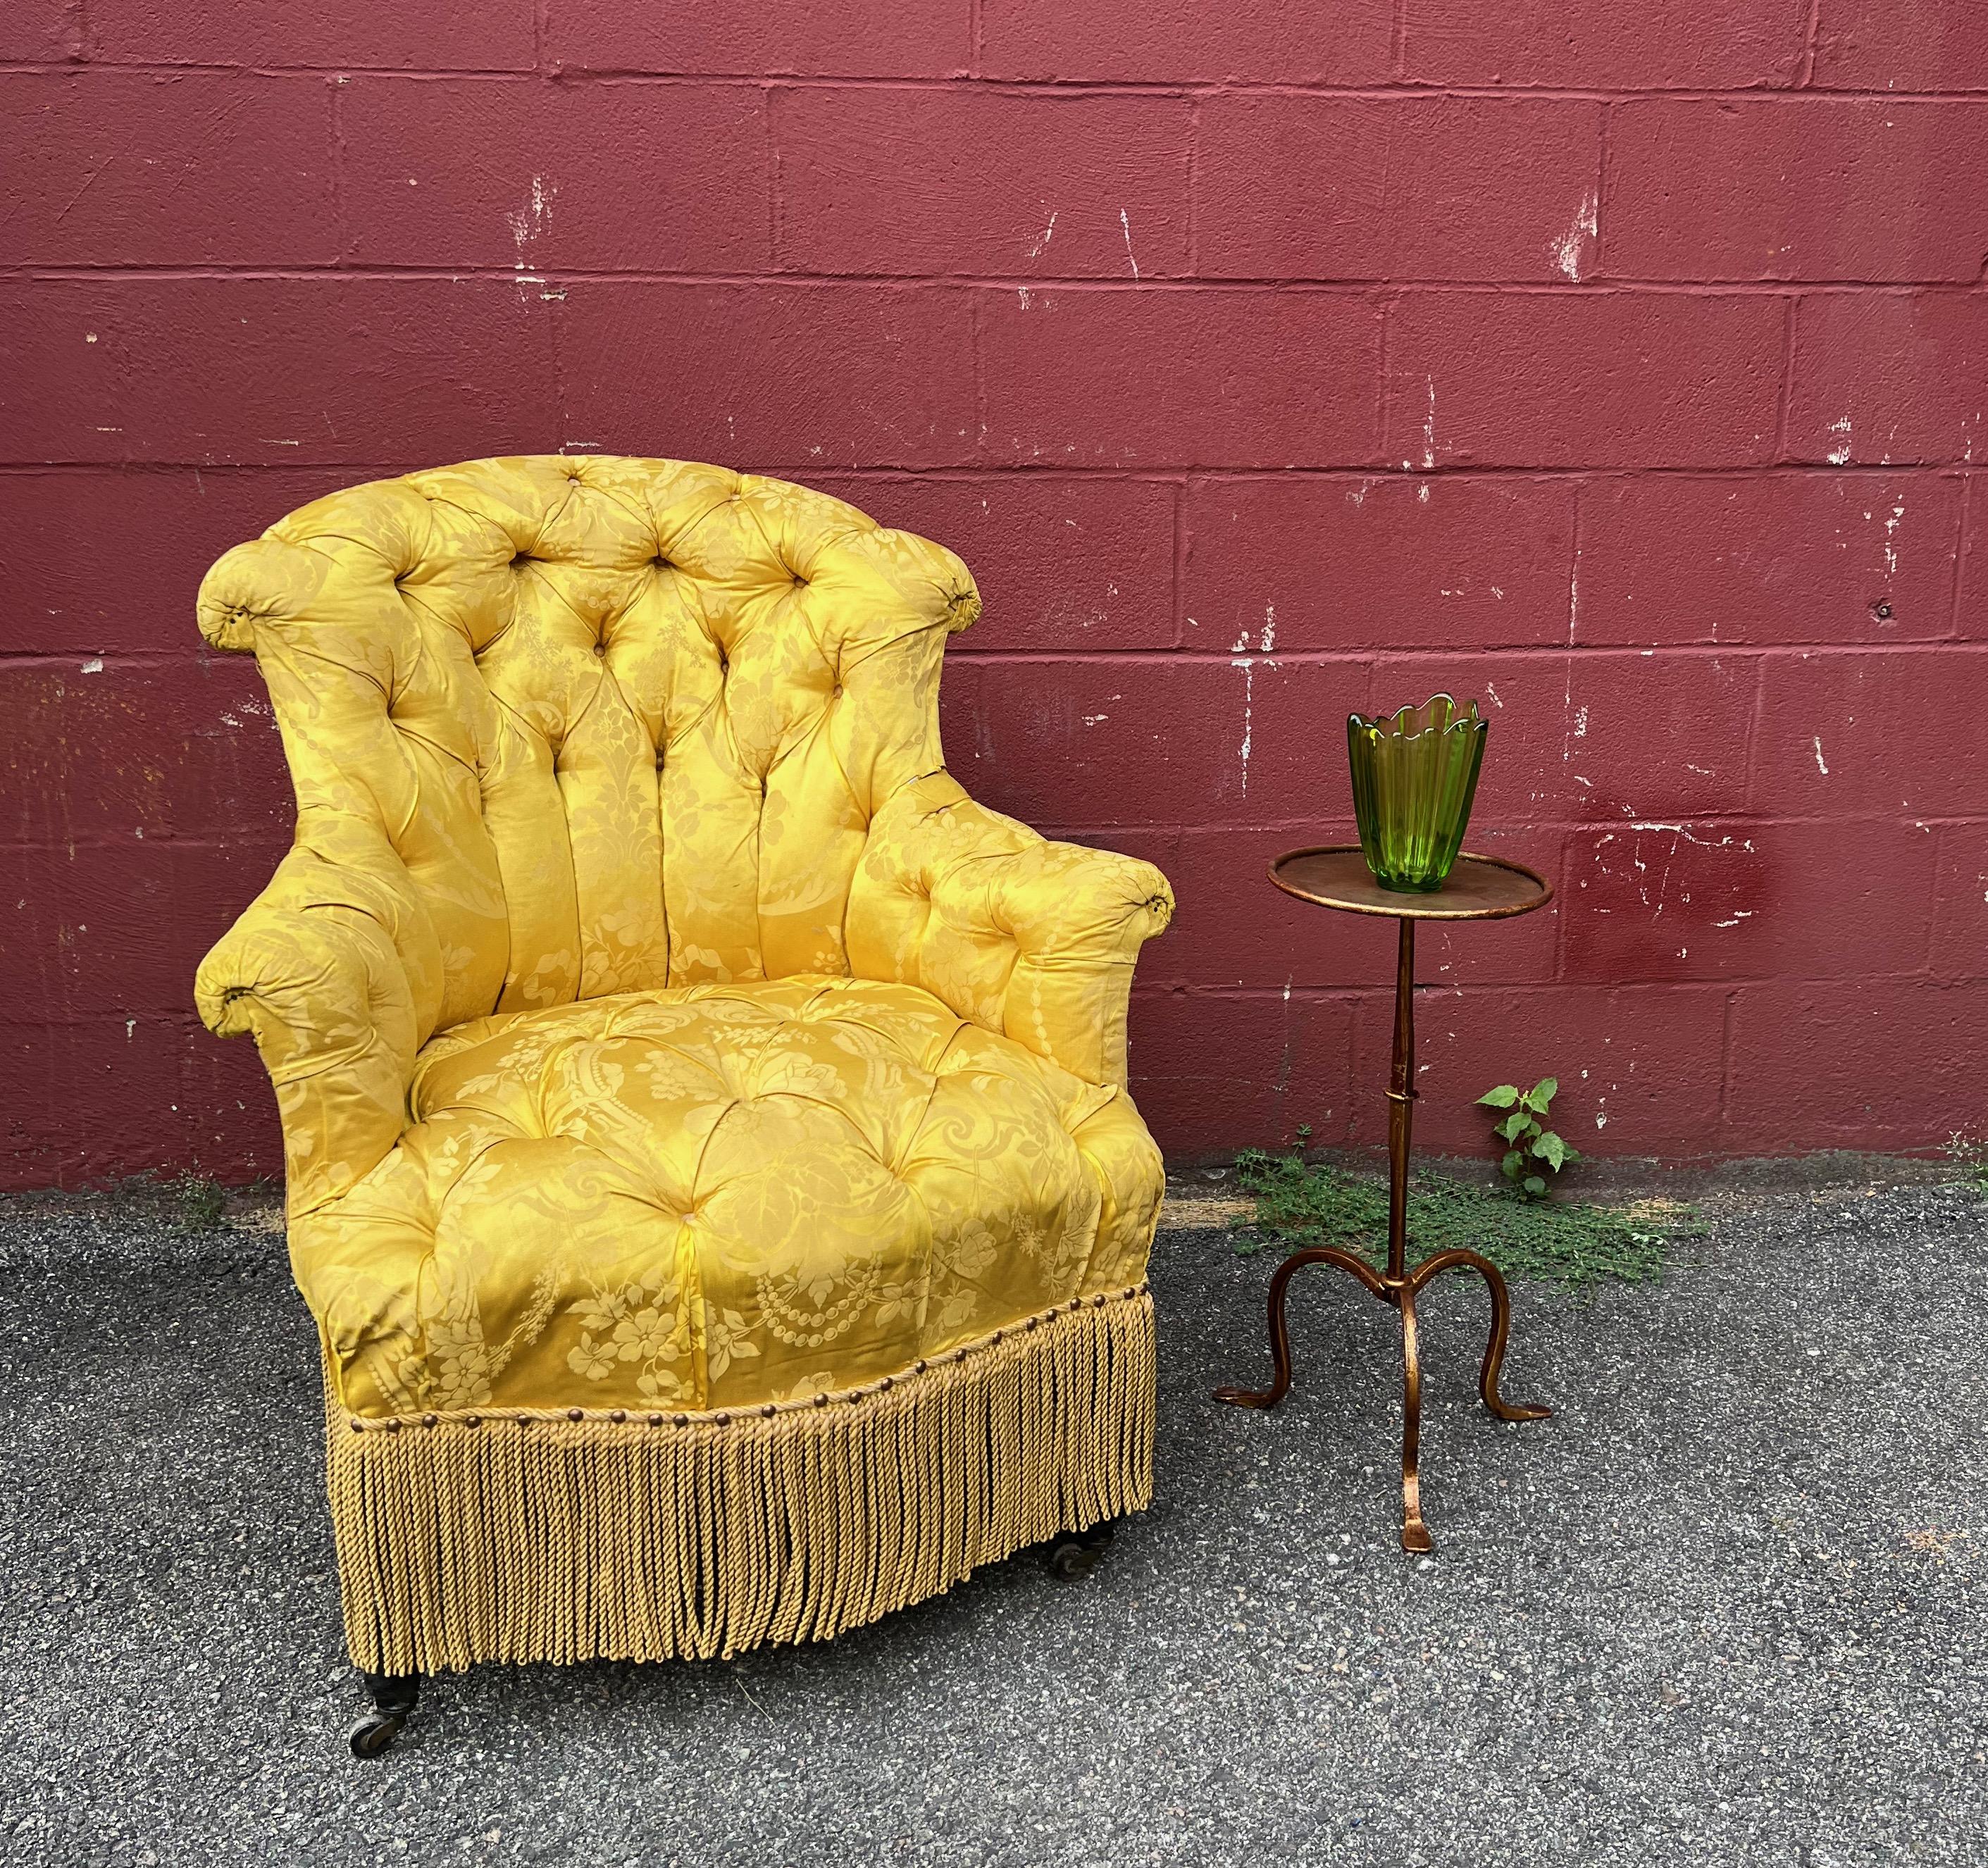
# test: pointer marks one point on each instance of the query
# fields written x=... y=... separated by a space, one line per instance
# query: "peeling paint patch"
x=1820 y=766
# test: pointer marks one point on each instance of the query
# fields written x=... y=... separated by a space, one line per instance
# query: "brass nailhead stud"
x=392 y=1427
x=724 y=1420
x=768 y=1410
x=918 y=1367
x=885 y=1383
x=683 y=1420
x=618 y=1416
x=357 y=1428
x=1031 y=1324
x=821 y=1400
x=474 y=1420
x=572 y=1413
x=428 y=1419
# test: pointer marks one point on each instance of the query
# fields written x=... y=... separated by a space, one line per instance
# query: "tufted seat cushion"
x=717 y=1196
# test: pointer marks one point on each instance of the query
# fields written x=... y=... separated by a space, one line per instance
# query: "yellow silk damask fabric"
x=652 y=1018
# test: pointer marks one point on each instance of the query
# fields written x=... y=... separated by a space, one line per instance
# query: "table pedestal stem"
x=1397 y=1286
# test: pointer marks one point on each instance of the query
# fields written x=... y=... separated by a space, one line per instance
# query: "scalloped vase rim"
x=1467 y=717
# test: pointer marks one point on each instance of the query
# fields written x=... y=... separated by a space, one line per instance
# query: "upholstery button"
x=659 y=761
x=601 y=648
x=835 y=693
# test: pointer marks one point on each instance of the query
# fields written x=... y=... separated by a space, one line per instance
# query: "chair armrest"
x=1030 y=938
x=312 y=970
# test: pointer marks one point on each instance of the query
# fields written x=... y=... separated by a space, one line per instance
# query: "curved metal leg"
x=1501 y=1329
x=1414 y=1533
x=1280 y=1339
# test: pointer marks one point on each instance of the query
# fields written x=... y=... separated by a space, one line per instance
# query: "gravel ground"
x=1727 y=1606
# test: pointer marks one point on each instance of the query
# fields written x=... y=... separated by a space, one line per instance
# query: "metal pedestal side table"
x=1479 y=888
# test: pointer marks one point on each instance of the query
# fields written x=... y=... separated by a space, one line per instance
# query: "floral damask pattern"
x=651 y=1017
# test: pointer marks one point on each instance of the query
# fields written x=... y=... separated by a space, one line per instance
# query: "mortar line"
x=1765 y=93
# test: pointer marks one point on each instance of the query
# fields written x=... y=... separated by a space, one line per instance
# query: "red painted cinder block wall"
x=1622 y=365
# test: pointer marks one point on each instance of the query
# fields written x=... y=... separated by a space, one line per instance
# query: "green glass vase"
x=1415 y=774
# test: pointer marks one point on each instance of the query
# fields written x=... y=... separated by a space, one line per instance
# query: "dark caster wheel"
x=1074 y=1555
x=393 y=1697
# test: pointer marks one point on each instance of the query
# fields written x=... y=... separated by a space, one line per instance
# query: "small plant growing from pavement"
x=1971 y=1156
x=1531 y=1149
x=202 y=1202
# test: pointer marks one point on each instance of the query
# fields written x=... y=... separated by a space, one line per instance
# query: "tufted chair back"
x=609 y=723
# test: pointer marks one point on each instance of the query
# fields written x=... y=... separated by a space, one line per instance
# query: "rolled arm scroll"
x=316 y=971
x=1034 y=939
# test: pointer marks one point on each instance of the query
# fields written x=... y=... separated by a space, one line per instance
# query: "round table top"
x=1477 y=889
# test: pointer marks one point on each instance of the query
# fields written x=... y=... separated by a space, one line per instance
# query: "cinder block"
x=1713 y=45
x=1726 y=898
x=1381 y=560
x=1767 y=557
x=1797 y=188
x=109 y=167
x=850 y=38
x=1890 y=1065
x=209 y=371
x=833 y=375
x=140 y=750
x=1022 y=184
x=120 y=926
x=1596 y=737
x=1854 y=733
x=1257 y=42
x=1047 y=739
x=1971 y=611
x=1886 y=376
x=1960 y=906
x=1900 y=46
x=437 y=35
x=39 y=31
x=109 y=561
x=1583 y=379
x=643 y=177
x=1216 y=377
x=1394 y=188
x=1215 y=1071
x=1639 y=1066
x=1064 y=562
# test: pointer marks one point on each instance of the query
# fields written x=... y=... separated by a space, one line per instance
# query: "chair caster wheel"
x=394 y=1696
x=371 y=1735
x=1074 y=1555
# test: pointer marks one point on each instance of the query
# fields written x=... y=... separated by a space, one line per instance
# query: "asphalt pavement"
x=1728 y=1605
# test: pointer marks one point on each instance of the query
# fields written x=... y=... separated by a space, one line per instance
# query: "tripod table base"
x=1401 y=1291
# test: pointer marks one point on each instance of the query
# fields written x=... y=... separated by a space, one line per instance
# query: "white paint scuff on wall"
x=1125 y=222
x=1573 y=249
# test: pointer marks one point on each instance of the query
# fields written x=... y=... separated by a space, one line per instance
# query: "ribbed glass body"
x=1415 y=774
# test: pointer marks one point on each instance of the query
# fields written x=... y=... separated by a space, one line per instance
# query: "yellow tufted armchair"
x=710 y=1163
